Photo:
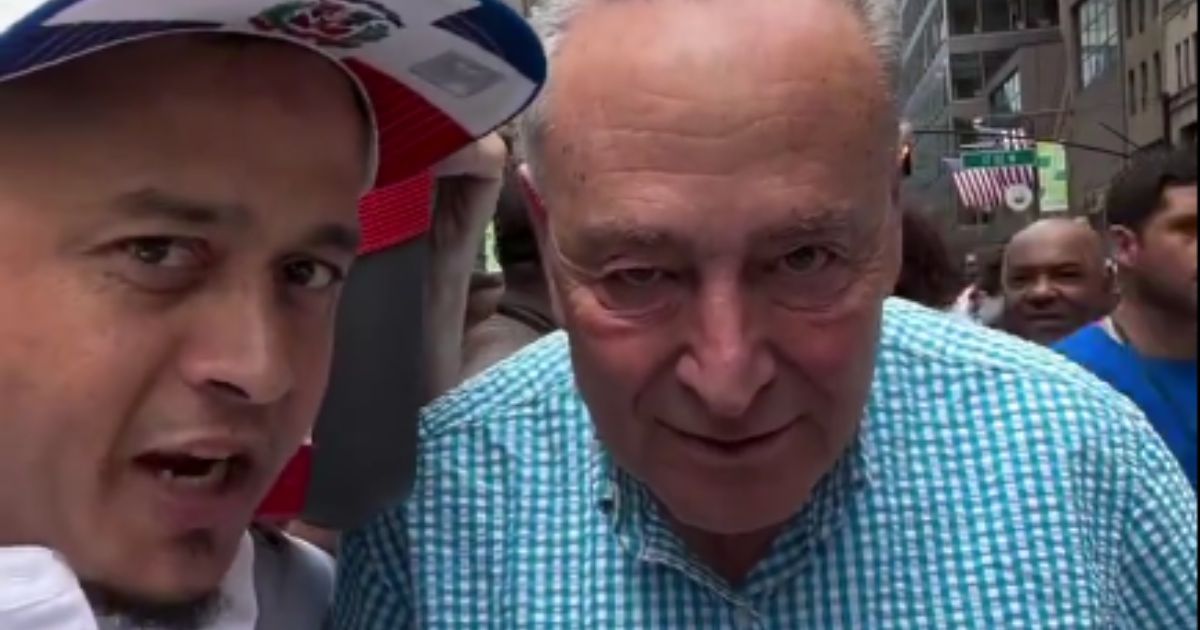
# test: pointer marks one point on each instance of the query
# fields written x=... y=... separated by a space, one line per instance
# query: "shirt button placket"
x=745 y=619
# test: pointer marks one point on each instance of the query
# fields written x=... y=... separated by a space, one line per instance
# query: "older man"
x=178 y=192
x=735 y=431
x=1056 y=280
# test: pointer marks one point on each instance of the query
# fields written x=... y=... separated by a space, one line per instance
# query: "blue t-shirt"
x=1164 y=389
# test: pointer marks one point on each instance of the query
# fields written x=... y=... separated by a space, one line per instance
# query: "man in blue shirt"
x=1147 y=347
x=734 y=430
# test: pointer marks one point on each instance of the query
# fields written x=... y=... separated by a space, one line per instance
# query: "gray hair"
x=552 y=19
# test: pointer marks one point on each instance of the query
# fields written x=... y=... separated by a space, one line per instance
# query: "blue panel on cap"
x=506 y=36
x=27 y=46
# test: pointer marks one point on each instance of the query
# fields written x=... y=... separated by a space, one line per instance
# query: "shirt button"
x=744 y=620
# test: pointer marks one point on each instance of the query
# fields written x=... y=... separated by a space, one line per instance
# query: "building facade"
x=1180 y=55
x=998 y=63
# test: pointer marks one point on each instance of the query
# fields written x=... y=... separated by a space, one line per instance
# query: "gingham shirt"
x=993 y=485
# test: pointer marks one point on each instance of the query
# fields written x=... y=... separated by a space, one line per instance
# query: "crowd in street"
x=728 y=377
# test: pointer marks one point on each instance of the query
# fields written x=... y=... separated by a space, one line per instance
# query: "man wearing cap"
x=178 y=194
x=737 y=430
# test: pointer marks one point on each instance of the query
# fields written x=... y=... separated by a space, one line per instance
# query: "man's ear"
x=533 y=201
x=1125 y=245
x=539 y=220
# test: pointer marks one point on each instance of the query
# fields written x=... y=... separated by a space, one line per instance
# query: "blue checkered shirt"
x=993 y=485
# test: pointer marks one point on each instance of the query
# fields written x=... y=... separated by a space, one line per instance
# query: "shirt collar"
x=643 y=532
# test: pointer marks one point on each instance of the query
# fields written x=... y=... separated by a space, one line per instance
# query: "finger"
x=483 y=159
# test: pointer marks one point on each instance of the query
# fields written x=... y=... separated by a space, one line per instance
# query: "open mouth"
x=184 y=470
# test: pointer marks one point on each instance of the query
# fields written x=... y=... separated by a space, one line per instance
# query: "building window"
x=1132 y=92
x=966 y=76
x=1141 y=9
x=1158 y=75
x=1042 y=13
x=1006 y=99
x=1145 y=87
x=1187 y=63
x=1098 y=35
x=1128 y=19
x=964 y=16
x=1178 y=68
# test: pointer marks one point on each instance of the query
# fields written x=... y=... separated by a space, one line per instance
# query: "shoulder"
x=969 y=380
x=1087 y=345
x=521 y=388
x=293 y=580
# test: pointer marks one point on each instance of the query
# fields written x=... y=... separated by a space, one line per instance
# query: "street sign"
x=997 y=159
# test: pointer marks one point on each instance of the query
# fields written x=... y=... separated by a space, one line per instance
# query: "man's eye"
x=163 y=252
x=637 y=290
x=807 y=259
x=638 y=277
x=311 y=275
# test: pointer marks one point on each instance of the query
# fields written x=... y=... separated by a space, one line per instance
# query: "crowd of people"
x=727 y=377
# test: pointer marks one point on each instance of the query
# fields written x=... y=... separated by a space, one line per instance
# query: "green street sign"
x=996 y=159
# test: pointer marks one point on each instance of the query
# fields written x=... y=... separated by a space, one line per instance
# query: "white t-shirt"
x=38 y=591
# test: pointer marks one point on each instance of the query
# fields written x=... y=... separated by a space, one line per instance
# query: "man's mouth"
x=732 y=446
x=187 y=471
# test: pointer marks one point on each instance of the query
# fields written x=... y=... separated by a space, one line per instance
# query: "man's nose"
x=1042 y=291
x=727 y=363
x=237 y=350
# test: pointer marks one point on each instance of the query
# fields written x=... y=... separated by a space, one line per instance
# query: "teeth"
x=216 y=473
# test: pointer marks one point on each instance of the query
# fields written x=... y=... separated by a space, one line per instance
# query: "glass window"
x=1042 y=13
x=1158 y=75
x=1128 y=19
x=993 y=62
x=1145 y=87
x=995 y=16
x=1097 y=38
x=966 y=76
x=1132 y=91
x=1178 y=67
x=964 y=16
x=1006 y=99
x=1141 y=16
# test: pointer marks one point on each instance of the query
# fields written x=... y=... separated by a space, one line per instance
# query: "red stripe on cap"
x=394 y=214
x=413 y=134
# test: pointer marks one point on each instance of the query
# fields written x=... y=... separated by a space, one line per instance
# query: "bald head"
x=1055 y=280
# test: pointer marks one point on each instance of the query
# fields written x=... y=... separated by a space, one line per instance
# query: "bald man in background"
x=1056 y=280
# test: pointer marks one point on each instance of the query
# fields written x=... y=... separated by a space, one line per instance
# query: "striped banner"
x=983 y=188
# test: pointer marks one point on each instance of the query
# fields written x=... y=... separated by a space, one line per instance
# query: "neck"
x=1156 y=332
x=530 y=296
x=732 y=556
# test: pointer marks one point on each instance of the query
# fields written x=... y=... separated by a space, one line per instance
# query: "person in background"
x=179 y=212
x=1147 y=347
x=736 y=427
x=1056 y=280
x=927 y=273
x=524 y=313
x=982 y=301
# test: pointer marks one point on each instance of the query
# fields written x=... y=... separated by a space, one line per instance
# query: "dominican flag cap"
x=437 y=73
